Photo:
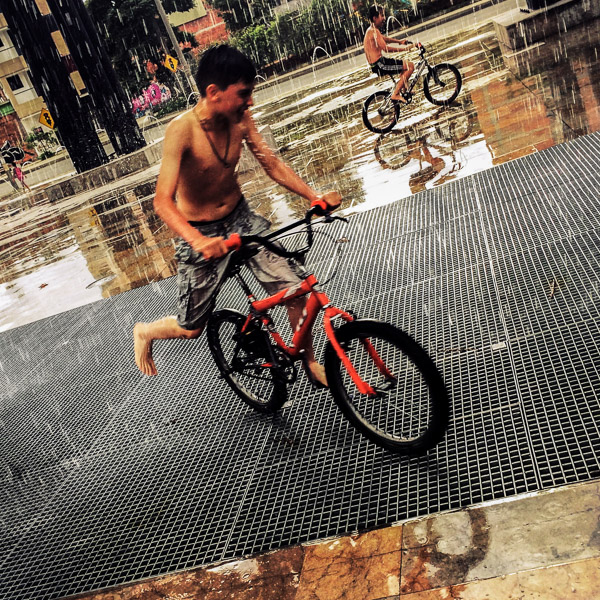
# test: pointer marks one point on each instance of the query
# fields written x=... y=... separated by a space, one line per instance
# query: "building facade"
x=20 y=105
x=203 y=22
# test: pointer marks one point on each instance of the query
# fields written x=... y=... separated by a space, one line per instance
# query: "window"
x=15 y=82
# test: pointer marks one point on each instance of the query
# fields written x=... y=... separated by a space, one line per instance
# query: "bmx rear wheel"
x=246 y=361
x=408 y=413
x=379 y=113
x=442 y=84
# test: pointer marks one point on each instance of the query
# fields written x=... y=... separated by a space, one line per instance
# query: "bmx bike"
x=383 y=381
x=441 y=86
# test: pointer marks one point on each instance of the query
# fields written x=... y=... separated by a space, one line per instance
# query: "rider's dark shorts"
x=385 y=65
x=199 y=281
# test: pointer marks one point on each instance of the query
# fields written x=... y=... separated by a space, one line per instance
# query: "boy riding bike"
x=375 y=43
x=198 y=196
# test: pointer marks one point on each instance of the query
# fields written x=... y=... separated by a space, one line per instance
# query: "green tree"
x=239 y=14
x=332 y=25
x=256 y=42
x=329 y=24
x=43 y=142
x=135 y=35
x=291 y=35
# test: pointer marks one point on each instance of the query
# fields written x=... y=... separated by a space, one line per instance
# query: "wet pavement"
x=496 y=273
x=105 y=243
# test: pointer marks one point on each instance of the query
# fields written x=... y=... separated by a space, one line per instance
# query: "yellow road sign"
x=46 y=118
x=171 y=63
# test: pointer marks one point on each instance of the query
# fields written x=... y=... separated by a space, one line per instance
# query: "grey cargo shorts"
x=199 y=281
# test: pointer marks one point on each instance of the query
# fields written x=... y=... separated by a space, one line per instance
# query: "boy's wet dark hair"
x=223 y=66
x=374 y=11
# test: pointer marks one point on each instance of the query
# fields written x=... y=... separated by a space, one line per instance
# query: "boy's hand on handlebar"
x=332 y=201
x=210 y=247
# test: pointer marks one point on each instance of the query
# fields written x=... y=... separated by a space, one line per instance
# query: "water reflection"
x=102 y=243
x=123 y=240
x=430 y=149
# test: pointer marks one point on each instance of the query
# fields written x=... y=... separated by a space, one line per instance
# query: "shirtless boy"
x=375 y=43
x=198 y=196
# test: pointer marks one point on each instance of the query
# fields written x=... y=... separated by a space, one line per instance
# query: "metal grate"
x=109 y=477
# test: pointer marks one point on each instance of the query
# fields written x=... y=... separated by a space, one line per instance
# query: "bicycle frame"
x=317 y=301
x=423 y=62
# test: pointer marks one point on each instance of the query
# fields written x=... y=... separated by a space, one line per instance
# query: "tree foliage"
x=328 y=24
x=239 y=14
x=42 y=142
x=134 y=34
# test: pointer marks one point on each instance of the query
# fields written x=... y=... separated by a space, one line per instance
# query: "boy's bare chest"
x=213 y=153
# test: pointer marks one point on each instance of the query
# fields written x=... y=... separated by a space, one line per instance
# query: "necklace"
x=223 y=160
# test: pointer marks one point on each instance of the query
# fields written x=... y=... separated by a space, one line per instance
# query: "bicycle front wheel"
x=442 y=84
x=408 y=411
x=246 y=361
x=379 y=113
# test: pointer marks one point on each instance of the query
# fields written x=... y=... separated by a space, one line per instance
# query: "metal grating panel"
x=109 y=477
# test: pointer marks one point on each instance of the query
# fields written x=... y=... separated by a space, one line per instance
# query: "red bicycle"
x=381 y=378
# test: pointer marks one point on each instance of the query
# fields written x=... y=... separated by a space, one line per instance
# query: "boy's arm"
x=277 y=170
x=388 y=42
x=174 y=145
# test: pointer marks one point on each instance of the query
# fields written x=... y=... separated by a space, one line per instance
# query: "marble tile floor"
x=543 y=546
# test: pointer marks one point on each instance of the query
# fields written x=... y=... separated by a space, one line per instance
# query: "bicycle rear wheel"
x=379 y=113
x=247 y=361
x=409 y=412
x=442 y=84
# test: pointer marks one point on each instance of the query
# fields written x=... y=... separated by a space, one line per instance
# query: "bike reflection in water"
x=433 y=145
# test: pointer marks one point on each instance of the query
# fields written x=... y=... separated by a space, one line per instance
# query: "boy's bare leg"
x=295 y=308
x=164 y=329
x=397 y=95
x=402 y=81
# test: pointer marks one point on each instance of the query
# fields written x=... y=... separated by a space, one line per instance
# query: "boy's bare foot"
x=143 y=350
x=400 y=99
x=316 y=374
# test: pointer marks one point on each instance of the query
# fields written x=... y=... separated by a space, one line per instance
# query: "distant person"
x=20 y=177
x=10 y=174
x=199 y=197
x=376 y=43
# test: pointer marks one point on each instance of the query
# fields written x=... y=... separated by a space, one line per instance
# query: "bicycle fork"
x=434 y=74
x=362 y=386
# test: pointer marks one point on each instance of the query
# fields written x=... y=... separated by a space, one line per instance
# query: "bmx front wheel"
x=442 y=84
x=246 y=360
x=407 y=412
x=379 y=113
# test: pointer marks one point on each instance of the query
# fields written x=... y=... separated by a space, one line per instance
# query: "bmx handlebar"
x=317 y=208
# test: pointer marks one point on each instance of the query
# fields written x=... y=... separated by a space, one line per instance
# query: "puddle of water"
x=46 y=291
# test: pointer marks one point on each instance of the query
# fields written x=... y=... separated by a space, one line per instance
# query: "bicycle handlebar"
x=234 y=242
x=317 y=208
